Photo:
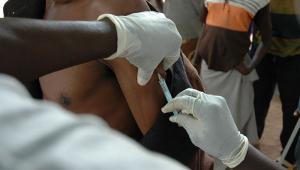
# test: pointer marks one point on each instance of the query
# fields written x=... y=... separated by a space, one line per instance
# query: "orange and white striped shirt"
x=225 y=39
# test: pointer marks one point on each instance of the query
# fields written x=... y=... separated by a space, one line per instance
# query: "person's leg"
x=288 y=71
x=263 y=91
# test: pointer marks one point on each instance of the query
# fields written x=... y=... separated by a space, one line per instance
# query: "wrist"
x=115 y=23
x=238 y=155
x=106 y=30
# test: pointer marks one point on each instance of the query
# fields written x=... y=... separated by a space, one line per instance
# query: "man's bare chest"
x=89 y=9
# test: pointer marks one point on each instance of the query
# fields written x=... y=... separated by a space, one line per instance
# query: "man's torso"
x=90 y=87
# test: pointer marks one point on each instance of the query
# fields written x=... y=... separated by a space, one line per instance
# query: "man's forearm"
x=31 y=48
x=256 y=160
x=259 y=54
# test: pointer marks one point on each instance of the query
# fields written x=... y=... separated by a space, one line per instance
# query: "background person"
x=281 y=66
x=187 y=17
x=227 y=69
x=209 y=123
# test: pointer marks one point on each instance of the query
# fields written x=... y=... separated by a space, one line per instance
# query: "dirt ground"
x=270 y=142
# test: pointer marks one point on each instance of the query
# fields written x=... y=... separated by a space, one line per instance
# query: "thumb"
x=143 y=76
x=169 y=61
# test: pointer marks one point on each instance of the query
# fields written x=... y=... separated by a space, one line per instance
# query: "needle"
x=166 y=90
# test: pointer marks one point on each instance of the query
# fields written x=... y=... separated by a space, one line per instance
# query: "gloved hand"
x=146 y=39
x=208 y=121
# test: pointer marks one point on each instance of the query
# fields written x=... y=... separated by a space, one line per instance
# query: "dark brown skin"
x=53 y=54
x=265 y=27
x=258 y=161
x=60 y=54
x=109 y=90
x=116 y=96
x=32 y=48
x=192 y=74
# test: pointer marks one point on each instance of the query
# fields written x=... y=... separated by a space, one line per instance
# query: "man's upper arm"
x=262 y=21
x=192 y=74
x=144 y=101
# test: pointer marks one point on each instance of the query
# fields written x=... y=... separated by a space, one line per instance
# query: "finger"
x=182 y=104
x=189 y=92
x=169 y=61
x=174 y=119
x=143 y=77
x=182 y=120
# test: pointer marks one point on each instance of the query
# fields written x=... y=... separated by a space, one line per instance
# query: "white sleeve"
x=38 y=135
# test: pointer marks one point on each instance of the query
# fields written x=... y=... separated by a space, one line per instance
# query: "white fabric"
x=38 y=135
x=208 y=121
x=146 y=39
x=237 y=89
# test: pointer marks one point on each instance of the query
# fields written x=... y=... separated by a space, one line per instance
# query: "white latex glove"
x=146 y=39
x=208 y=121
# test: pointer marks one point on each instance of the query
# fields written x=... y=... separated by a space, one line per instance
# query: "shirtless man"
x=106 y=88
x=129 y=99
x=81 y=88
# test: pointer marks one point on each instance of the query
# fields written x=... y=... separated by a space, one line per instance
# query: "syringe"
x=166 y=90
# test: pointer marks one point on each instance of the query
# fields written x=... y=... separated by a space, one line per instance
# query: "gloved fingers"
x=183 y=104
x=182 y=120
x=169 y=61
x=175 y=43
x=143 y=76
x=148 y=14
x=189 y=92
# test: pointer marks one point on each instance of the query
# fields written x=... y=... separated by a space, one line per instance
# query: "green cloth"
x=285 y=28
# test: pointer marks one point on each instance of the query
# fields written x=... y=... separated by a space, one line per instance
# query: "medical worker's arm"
x=41 y=135
x=258 y=161
x=208 y=121
x=32 y=48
